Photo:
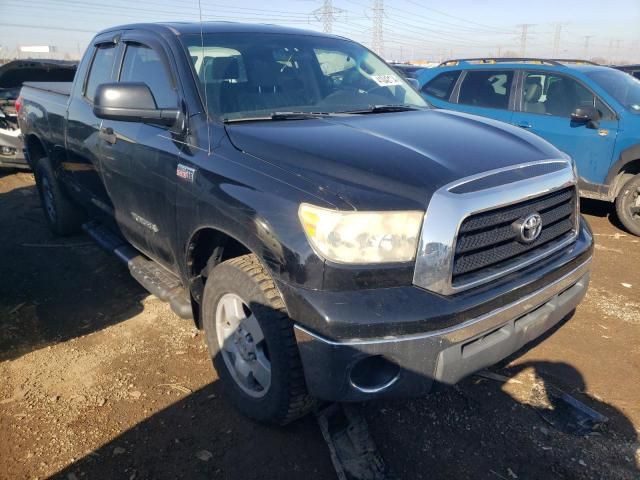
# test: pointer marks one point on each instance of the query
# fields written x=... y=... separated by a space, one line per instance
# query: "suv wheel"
x=628 y=205
x=63 y=215
x=251 y=341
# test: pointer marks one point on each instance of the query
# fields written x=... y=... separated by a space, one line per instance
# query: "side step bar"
x=157 y=280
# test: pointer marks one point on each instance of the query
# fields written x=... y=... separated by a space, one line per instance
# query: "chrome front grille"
x=489 y=239
x=469 y=235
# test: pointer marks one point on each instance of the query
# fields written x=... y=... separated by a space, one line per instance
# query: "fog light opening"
x=374 y=374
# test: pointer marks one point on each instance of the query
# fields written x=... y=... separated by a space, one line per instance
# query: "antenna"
x=206 y=97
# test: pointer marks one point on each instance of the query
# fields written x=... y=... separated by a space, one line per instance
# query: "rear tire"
x=63 y=216
x=251 y=342
x=628 y=205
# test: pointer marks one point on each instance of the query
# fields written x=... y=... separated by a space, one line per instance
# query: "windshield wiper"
x=279 y=116
x=400 y=107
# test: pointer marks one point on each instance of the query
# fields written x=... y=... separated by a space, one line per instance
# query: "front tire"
x=628 y=205
x=63 y=216
x=251 y=342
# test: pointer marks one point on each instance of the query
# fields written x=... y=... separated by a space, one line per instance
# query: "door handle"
x=524 y=124
x=108 y=135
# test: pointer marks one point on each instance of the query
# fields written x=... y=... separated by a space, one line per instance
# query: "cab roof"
x=189 y=28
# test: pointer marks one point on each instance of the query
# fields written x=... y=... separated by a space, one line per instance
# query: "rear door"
x=140 y=160
x=544 y=107
x=488 y=93
x=82 y=165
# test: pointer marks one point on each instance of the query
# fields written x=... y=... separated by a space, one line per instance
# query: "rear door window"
x=486 y=88
x=101 y=69
x=442 y=85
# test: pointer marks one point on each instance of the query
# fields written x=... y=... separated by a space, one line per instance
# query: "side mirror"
x=587 y=115
x=131 y=102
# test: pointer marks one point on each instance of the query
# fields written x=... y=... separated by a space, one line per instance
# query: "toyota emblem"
x=528 y=228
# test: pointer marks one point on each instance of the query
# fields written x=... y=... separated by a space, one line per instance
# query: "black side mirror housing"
x=131 y=102
x=586 y=115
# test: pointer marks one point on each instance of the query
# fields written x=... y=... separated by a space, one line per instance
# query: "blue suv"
x=588 y=111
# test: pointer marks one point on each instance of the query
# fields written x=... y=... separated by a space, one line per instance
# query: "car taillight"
x=18 y=103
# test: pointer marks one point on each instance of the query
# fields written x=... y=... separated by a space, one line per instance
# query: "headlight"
x=362 y=237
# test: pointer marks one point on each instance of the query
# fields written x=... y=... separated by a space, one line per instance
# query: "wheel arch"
x=35 y=149
x=207 y=247
x=623 y=174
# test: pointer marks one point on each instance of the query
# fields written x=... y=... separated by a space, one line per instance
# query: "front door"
x=548 y=99
x=140 y=160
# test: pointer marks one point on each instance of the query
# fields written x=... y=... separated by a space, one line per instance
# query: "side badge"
x=185 y=172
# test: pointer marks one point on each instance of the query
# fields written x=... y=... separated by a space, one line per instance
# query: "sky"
x=412 y=29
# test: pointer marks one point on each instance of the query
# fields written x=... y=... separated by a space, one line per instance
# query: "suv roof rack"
x=542 y=61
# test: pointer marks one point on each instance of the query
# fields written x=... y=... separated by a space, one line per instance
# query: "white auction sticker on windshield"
x=386 y=80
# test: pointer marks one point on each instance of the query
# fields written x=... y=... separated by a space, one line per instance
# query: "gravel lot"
x=101 y=380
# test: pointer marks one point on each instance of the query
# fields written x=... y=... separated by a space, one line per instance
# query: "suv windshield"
x=621 y=86
x=249 y=75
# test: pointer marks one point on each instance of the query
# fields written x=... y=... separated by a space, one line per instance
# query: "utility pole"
x=557 y=38
x=327 y=14
x=587 y=38
x=377 y=17
x=524 y=34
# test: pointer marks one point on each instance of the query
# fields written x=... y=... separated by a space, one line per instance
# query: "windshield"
x=249 y=75
x=621 y=86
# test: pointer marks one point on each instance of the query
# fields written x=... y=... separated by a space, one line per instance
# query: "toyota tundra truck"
x=334 y=236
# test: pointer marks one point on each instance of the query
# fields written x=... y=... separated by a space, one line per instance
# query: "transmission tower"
x=557 y=39
x=378 y=16
x=327 y=14
x=524 y=34
x=587 y=38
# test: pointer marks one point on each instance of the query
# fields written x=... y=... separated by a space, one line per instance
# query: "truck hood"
x=389 y=160
x=15 y=73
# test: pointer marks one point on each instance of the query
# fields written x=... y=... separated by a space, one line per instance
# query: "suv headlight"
x=362 y=237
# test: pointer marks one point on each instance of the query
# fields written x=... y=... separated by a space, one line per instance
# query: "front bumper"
x=422 y=361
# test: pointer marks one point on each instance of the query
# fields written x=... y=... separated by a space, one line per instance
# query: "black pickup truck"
x=334 y=236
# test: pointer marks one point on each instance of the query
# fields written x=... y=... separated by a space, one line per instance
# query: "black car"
x=633 y=70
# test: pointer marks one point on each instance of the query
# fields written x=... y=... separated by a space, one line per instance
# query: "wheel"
x=628 y=205
x=63 y=215
x=251 y=342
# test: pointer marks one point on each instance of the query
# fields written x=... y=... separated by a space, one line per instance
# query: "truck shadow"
x=476 y=429
x=598 y=208
x=54 y=288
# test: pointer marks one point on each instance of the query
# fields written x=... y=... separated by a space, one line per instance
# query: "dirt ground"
x=100 y=380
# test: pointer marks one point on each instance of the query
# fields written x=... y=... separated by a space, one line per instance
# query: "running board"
x=157 y=280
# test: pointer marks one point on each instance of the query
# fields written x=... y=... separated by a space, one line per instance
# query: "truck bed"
x=61 y=88
x=50 y=99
